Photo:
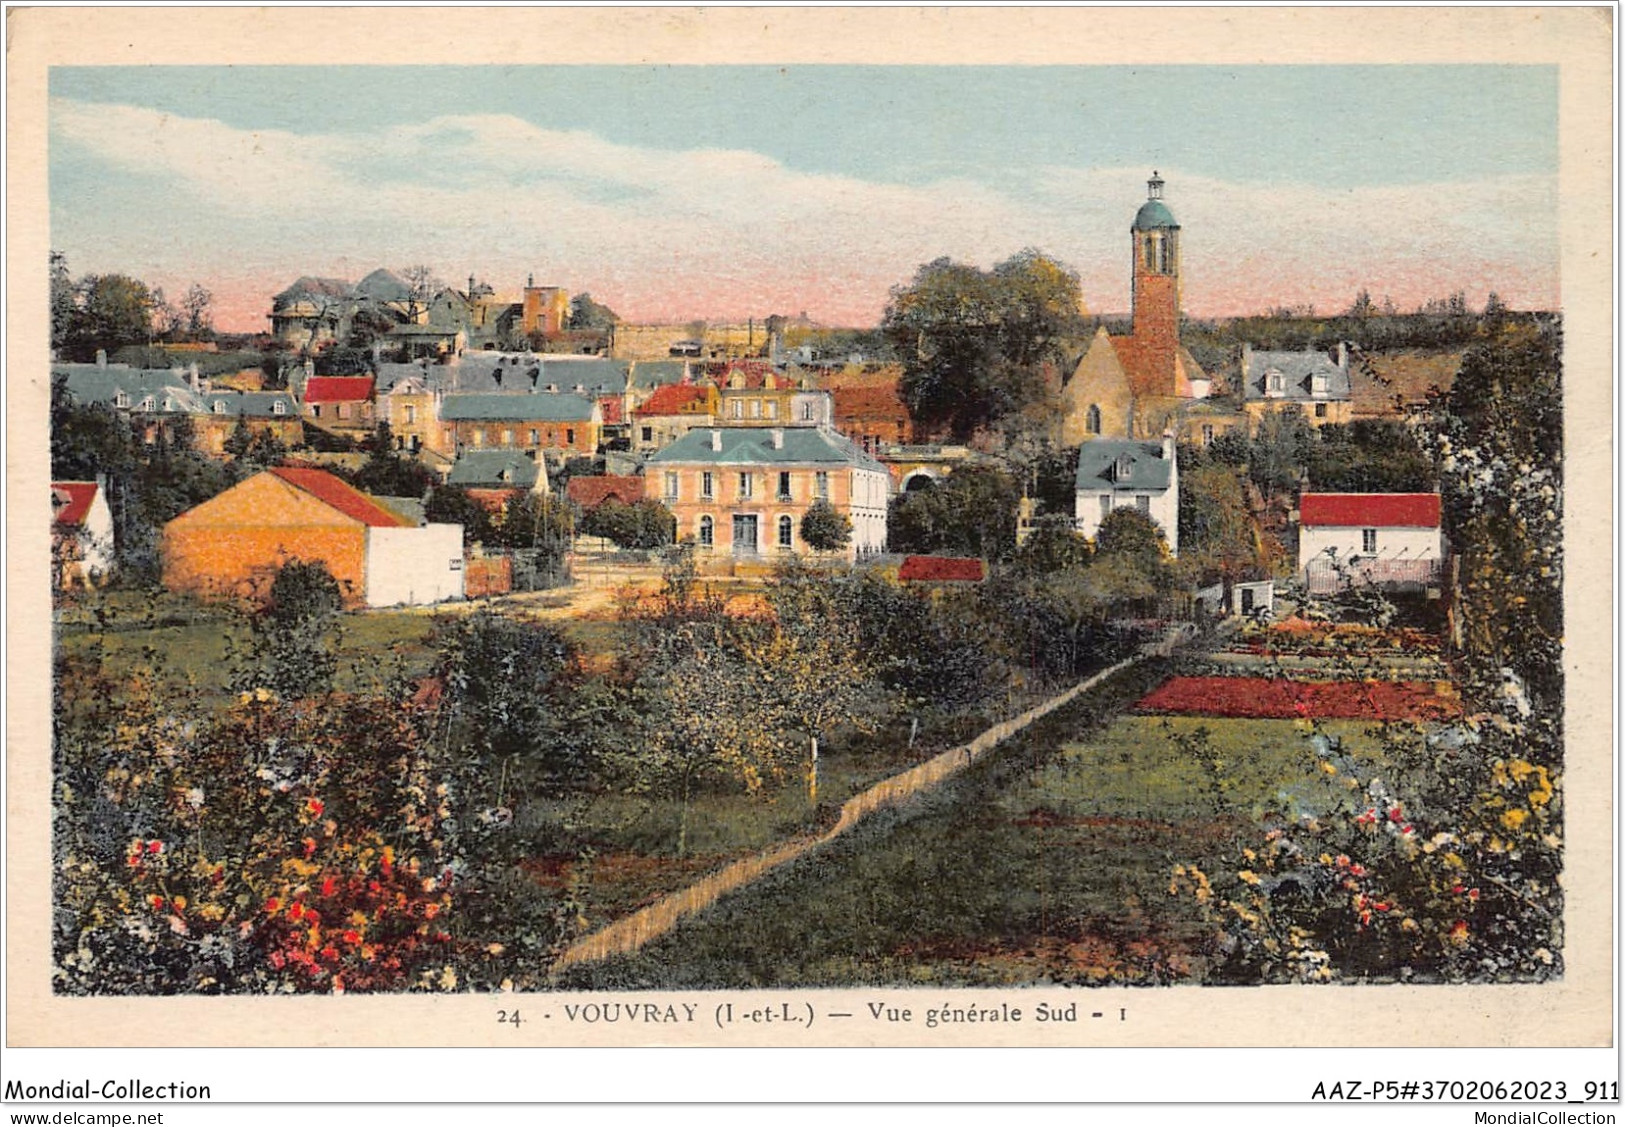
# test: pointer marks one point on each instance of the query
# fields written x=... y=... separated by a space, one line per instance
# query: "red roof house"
x=341 y=402
x=1384 y=539
x=81 y=533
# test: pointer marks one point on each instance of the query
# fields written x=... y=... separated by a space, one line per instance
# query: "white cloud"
x=730 y=232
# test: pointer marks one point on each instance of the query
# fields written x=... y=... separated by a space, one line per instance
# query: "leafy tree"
x=975 y=344
x=533 y=520
x=824 y=528
x=1279 y=451
x=973 y=513
x=343 y=360
x=1368 y=456
x=1053 y=546
x=292 y=652
x=113 y=310
x=585 y=313
x=1133 y=537
x=451 y=504
x=645 y=524
x=1216 y=529
x=64 y=302
x=196 y=307
x=387 y=473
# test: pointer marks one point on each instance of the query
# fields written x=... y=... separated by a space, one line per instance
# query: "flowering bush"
x=274 y=848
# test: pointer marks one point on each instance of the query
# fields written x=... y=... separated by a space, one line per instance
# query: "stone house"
x=744 y=490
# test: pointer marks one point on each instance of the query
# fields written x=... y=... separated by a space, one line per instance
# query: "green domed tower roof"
x=1153 y=213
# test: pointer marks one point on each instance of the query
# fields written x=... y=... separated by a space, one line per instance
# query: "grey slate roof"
x=754 y=446
x=1122 y=463
x=94 y=383
x=1298 y=370
x=253 y=404
x=520 y=406
x=494 y=469
x=383 y=285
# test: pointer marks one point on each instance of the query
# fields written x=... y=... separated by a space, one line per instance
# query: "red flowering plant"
x=275 y=847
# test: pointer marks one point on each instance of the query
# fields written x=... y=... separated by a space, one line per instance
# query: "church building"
x=1134 y=386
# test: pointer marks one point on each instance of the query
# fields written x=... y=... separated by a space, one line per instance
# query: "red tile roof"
x=941 y=569
x=610 y=406
x=590 y=492
x=334 y=493
x=672 y=399
x=1369 y=510
x=74 y=499
x=338 y=389
x=880 y=400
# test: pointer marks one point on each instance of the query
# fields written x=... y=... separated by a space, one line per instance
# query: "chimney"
x=1343 y=355
x=1168 y=444
x=192 y=377
x=776 y=437
x=716 y=440
x=101 y=358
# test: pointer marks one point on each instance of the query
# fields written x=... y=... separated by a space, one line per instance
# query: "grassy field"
x=1049 y=863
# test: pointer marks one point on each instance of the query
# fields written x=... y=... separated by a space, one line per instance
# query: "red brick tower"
x=1156 y=291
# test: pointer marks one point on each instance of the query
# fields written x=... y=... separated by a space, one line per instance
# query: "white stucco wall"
x=871 y=498
x=1164 y=509
x=414 y=566
x=1392 y=543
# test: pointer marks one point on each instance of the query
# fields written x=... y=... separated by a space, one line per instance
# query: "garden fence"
x=625 y=936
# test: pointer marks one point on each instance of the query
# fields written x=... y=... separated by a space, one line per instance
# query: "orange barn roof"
x=338 y=495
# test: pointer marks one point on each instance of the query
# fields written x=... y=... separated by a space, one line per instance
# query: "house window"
x=744 y=484
x=707 y=532
x=1320 y=410
x=479 y=437
x=786 y=533
x=739 y=409
x=771 y=409
x=784 y=485
x=1143 y=503
x=1105 y=506
x=121 y=400
x=569 y=436
x=648 y=434
x=671 y=485
x=219 y=407
x=1368 y=540
x=411 y=414
x=821 y=486
x=806 y=412
x=344 y=410
x=146 y=404
x=707 y=486
x=1276 y=384
x=315 y=410
x=754 y=409
x=535 y=437
x=1318 y=384
x=279 y=408
x=507 y=436
x=1092 y=423
x=1207 y=434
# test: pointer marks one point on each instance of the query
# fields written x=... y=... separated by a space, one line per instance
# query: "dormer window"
x=219 y=407
x=279 y=408
x=121 y=399
x=146 y=404
x=1274 y=383
x=1120 y=471
x=1319 y=384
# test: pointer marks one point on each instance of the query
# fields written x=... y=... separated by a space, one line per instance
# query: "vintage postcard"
x=811 y=528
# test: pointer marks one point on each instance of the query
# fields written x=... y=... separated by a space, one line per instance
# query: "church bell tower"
x=1155 y=237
